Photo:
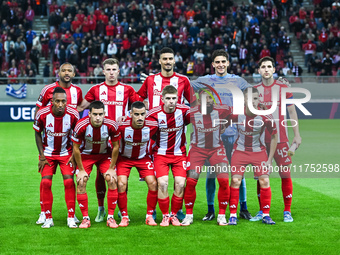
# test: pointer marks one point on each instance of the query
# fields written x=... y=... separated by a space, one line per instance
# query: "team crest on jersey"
x=175 y=85
x=120 y=96
x=40 y=98
x=266 y=92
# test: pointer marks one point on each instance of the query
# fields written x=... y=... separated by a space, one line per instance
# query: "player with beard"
x=74 y=98
x=207 y=145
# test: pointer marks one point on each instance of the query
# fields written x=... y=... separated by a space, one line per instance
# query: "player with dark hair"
x=266 y=90
x=116 y=97
x=206 y=144
x=91 y=147
x=74 y=97
x=249 y=148
x=56 y=121
x=153 y=85
x=220 y=62
x=170 y=150
x=136 y=133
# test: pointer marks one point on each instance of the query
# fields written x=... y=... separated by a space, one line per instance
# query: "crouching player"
x=206 y=144
x=136 y=133
x=250 y=148
x=91 y=147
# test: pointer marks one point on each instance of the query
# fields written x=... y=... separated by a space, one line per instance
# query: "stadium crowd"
x=89 y=32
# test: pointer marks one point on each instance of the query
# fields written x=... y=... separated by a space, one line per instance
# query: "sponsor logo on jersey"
x=206 y=130
x=156 y=92
x=170 y=129
x=56 y=134
x=107 y=102
x=135 y=144
x=95 y=142
x=249 y=133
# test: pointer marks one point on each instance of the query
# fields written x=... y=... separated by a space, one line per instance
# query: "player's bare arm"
x=111 y=172
x=273 y=144
x=42 y=160
x=293 y=115
x=84 y=105
x=82 y=176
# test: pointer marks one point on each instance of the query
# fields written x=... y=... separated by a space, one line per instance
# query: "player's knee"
x=163 y=185
x=179 y=186
x=192 y=174
x=236 y=182
x=68 y=183
x=121 y=186
x=46 y=183
x=152 y=185
x=264 y=181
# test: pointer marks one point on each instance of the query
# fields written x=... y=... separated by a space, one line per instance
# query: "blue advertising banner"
x=10 y=113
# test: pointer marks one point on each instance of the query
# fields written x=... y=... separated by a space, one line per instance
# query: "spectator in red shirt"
x=86 y=25
x=302 y=14
x=177 y=12
x=143 y=40
x=126 y=45
x=323 y=37
x=110 y=29
x=264 y=52
x=75 y=24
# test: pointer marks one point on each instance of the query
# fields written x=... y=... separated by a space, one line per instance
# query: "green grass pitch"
x=316 y=209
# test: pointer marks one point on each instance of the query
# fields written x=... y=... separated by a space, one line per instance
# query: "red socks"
x=266 y=197
x=190 y=195
x=122 y=203
x=163 y=204
x=47 y=197
x=151 y=202
x=70 y=196
x=287 y=192
x=234 y=197
x=100 y=188
x=112 y=196
x=83 y=204
x=176 y=204
x=223 y=193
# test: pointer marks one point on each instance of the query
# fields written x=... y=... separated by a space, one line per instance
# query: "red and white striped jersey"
x=135 y=142
x=115 y=98
x=171 y=138
x=154 y=84
x=95 y=140
x=57 y=130
x=74 y=95
x=265 y=95
x=206 y=134
x=251 y=131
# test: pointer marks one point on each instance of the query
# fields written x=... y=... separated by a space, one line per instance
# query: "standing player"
x=282 y=159
x=249 y=148
x=136 y=133
x=220 y=62
x=154 y=84
x=56 y=121
x=169 y=151
x=91 y=146
x=206 y=144
x=74 y=97
x=116 y=97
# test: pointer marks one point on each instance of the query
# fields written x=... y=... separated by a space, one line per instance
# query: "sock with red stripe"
x=100 y=188
x=70 y=196
x=83 y=204
x=151 y=202
x=234 y=197
x=163 y=204
x=47 y=197
x=287 y=192
x=259 y=193
x=223 y=193
x=176 y=204
x=266 y=197
x=190 y=195
x=122 y=203
x=112 y=196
